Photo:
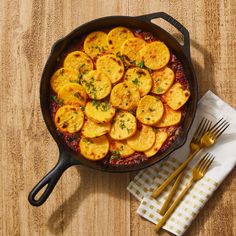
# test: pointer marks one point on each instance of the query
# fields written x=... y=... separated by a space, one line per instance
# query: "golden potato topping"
x=112 y=66
x=121 y=148
x=176 y=96
x=69 y=119
x=150 y=110
x=94 y=148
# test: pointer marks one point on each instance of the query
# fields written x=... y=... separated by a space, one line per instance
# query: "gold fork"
x=202 y=128
x=208 y=139
x=197 y=173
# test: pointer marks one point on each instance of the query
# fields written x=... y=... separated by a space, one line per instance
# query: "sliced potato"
x=150 y=110
x=95 y=43
x=112 y=66
x=162 y=80
x=143 y=139
x=124 y=126
x=73 y=94
x=97 y=85
x=94 y=148
x=69 y=119
x=140 y=78
x=170 y=117
x=79 y=61
x=155 y=55
x=100 y=112
x=63 y=76
x=125 y=96
x=176 y=96
x=117 y=36
x=160 y=139
x=92 y=129
x=122 y=148
x=131 y=46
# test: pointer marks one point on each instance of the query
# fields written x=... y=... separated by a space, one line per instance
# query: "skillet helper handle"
x=175 y=23
x=49 y=181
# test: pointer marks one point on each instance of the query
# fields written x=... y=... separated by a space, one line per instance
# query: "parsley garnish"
x=115 y=154
x=135 y=81
x=122 y=124
x=141 y=64
x=159 y=90
x=133 y=62
x=57 y=100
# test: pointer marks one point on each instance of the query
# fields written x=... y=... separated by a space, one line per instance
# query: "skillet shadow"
x=61 y=217
x=109 y=183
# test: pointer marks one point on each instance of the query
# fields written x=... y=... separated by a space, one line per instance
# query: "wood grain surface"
x=86 y=202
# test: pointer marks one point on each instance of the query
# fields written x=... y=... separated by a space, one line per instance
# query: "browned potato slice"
x=150 y=110
x=162 y=80
x=117 y=36
x=131 y=46
x=140 y=78
x=79 y=61
x=69 y=119
x=94 y=148
x=97 y=85
x=155 y=55
x=160 y=139
x=121 y=148
x=143 y=139
x=63 y=76
x=125 y=96
x=124 y=126
x=100 y=112
x=176 y=96
x=92 y=129
x=95 y=43
x=73 y=94
x=170 y=117
x=112 y=66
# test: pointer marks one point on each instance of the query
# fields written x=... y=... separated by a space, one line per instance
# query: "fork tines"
x=217 y=129
x=202 y=128
x=205 y=162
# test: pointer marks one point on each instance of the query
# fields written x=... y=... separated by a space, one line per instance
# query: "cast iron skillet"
x=68 y=157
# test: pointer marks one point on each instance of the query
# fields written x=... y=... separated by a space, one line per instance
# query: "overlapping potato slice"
x=150 y=110
x=140 y=78
x=125 y=96
x=162 y=80
x=100 y=112
x=112 y=66
x=63 y=76
x=92 y=129
x=155 y=55
x=94 y=148
x=96 y=84
x=161 y=137
x=73 y=94
x=170 y=117
x=131 y=46
x=69 y=119
x=79 y=61
x=176 y=96
x=121 y=148
x=124 y=126
x=143 y=139
x=117 y=36
x=95 y=43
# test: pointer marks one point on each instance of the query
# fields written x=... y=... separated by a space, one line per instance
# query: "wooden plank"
x=87 y=202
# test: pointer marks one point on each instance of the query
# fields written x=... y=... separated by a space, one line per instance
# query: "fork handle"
x=159 y=189
x=171 y=194
x=172 y=207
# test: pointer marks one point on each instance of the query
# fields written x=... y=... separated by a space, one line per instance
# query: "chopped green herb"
x=135 y=81
x=133 y=62
x=115 y=154
x=82 y=108
x=57 y=100
x=122 y=124
x=141 y=64
x=159 y=90
x=122 y=57
x=77 y=95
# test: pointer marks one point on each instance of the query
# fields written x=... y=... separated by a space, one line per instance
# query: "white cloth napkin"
x=213 y=108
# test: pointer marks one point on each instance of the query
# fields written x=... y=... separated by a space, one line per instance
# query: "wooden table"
x=87 y=202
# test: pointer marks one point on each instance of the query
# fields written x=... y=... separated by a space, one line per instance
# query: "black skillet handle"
x=175 y=23
x=50 y=180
